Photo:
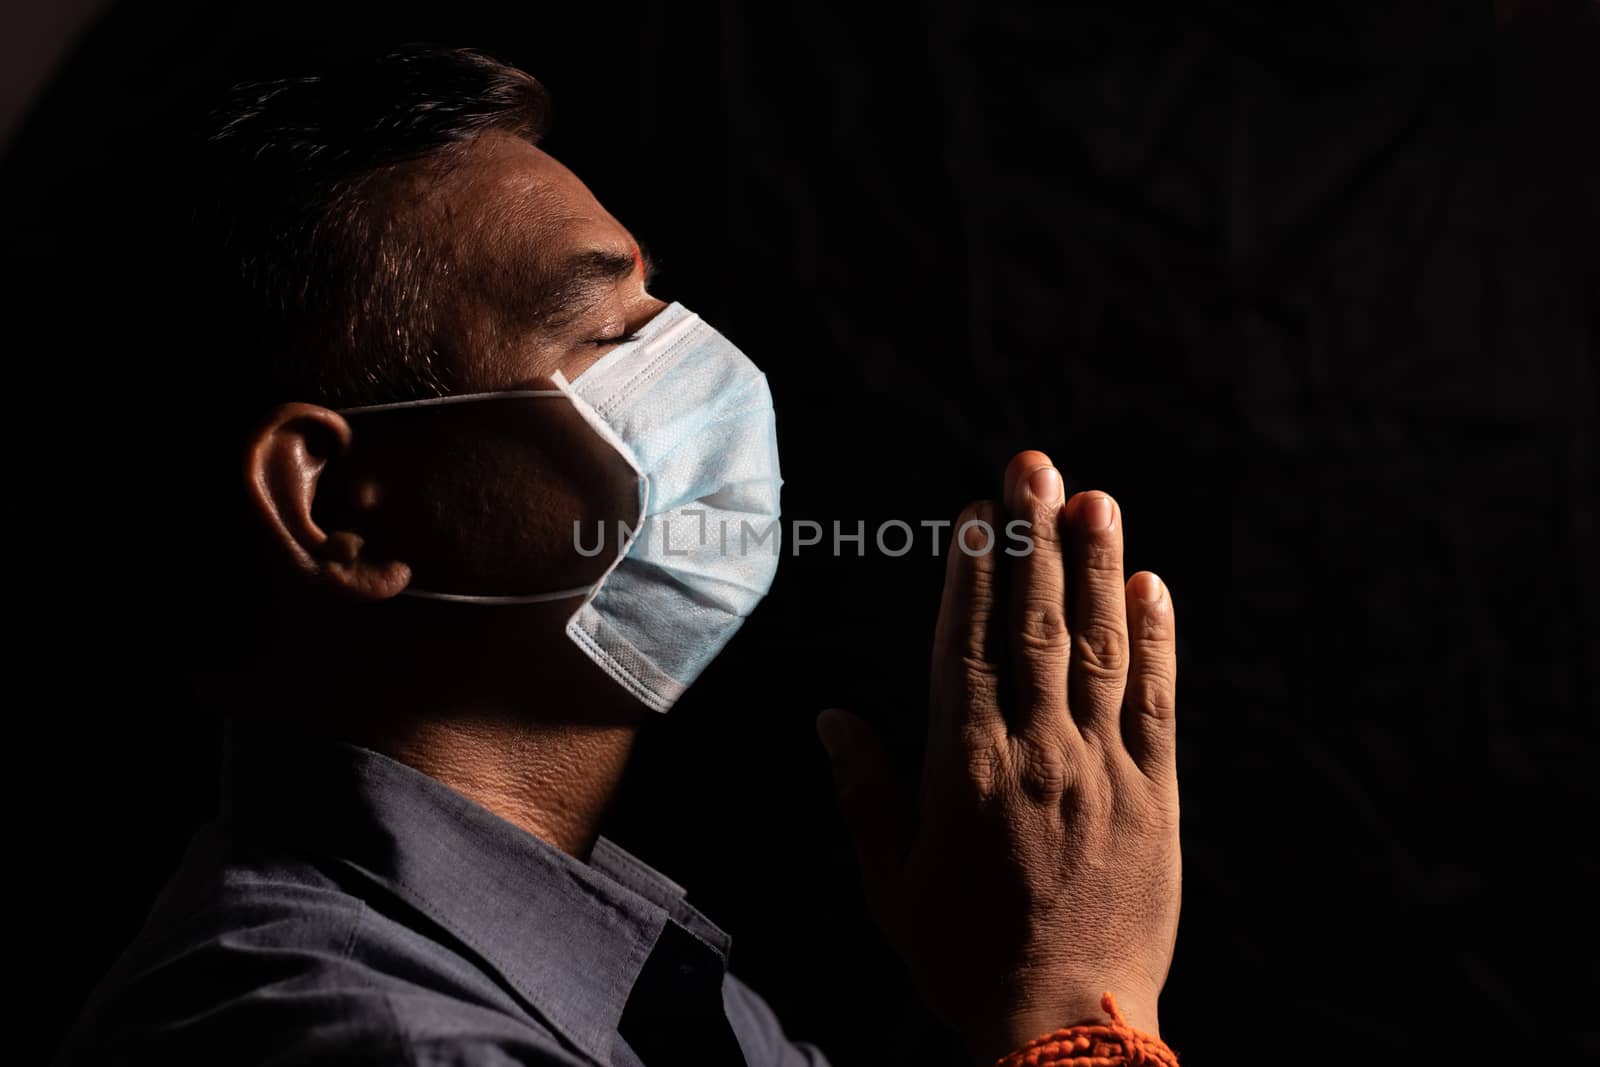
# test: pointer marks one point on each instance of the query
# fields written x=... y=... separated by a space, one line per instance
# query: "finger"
x=1099 y=668
x=1039 y=643
x=870 y=802
x=1148 y=716
x=965 y=678
x=1022 y=464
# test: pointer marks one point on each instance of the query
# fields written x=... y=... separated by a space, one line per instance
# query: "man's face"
x=481 y=498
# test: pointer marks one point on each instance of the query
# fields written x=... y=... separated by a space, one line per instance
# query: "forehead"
x=494 y=229
x=507 y=195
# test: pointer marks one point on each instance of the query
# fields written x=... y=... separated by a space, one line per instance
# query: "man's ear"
x=286 y=466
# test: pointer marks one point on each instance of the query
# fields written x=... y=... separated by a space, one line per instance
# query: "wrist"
x=1087 y=1014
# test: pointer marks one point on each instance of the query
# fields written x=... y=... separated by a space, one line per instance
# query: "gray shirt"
x=345 y=908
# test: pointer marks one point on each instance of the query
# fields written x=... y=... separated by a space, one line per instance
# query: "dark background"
x=1312 y=292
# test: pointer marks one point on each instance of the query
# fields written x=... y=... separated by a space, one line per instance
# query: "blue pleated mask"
x=693 y=417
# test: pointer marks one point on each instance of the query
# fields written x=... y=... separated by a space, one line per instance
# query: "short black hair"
x=304 y=274
x=318 y=288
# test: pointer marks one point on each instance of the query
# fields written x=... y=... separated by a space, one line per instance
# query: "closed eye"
x=627 y=338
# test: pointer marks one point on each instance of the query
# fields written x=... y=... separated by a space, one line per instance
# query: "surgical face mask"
x=693 y=418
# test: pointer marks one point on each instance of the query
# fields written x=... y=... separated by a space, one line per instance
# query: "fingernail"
x=1045 y=484
x=1097 y=512
x=1149 y=589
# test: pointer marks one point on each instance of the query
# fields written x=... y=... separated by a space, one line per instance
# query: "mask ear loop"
x=462 y=398
x=532 y=598
x=455 y=398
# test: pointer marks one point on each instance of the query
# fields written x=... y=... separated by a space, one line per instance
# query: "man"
x=449 y=360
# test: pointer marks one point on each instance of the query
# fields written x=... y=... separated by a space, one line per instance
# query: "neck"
x=512 y=716
x=553 y=779
x=553 y=776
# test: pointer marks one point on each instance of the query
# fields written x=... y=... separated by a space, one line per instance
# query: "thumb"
x=869 y=801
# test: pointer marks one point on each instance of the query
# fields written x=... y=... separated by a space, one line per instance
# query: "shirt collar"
x=570 y=937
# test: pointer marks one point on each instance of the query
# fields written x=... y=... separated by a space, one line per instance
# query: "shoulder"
x=260 y=959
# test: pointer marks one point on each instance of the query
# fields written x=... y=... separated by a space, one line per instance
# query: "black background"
x=1312 y=292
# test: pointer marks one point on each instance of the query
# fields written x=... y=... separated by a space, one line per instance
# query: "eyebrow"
x=575 y=281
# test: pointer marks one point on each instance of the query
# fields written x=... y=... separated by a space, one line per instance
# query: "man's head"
x=385 y=232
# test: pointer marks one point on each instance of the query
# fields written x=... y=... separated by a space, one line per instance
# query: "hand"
x=1042 y=867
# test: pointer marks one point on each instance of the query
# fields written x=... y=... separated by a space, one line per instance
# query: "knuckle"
x=1044 y=524
x=1044 y=772
x=976 y=537
x=976 y=510
x=973 y=535
x=1155 y=627
x=1102 y=554
x=1155 y=692
x=982 y=587
x=1041 y=628
x=1101 y=648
